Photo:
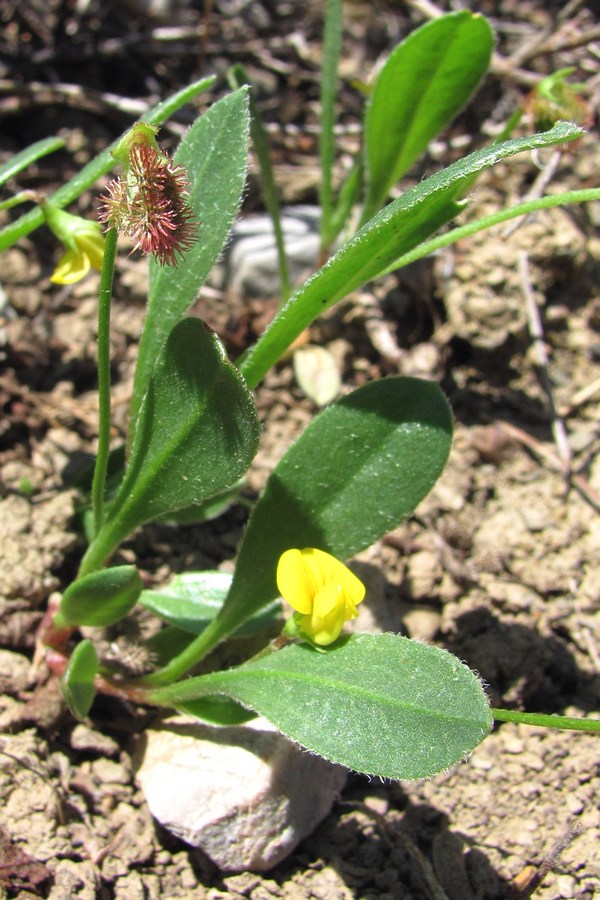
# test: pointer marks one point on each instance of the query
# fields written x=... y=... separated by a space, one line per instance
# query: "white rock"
x=245 y=795
x=252 y=267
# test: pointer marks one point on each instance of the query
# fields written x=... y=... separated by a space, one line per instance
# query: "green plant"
x=379 y=704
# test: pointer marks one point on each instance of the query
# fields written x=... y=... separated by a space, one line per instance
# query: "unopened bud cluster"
x=554 y=99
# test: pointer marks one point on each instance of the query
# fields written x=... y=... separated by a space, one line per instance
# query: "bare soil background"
x=499 y=564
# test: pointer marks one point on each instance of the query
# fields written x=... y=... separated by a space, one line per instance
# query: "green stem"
x=504 y=215
x=98 y=166
x=104 y=300
x=332 y=42
x=21 y=197
x=260 y=142
x=212 y=635
x=172 y=695
x=100 y=549
x=28 y=156
x=342 y=209
x=564 y=722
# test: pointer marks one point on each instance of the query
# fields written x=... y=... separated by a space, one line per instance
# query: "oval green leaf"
x=197 y=434
x=78 y=680
x=101 y=598
x=361 y=466
x=191 y=600
x=423 y=85
x=379 y=704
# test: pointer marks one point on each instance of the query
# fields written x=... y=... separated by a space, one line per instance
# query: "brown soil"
x=499 y=564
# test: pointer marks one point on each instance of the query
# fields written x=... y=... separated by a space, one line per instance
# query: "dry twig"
x=392 y=836
x=532 y=877
x=581 y=485
x=536 y=331
x=537 y=190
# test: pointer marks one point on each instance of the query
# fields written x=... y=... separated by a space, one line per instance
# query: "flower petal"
x=322 y=590
x=328 y=598
x=294 y=581
x=72 y=266
x=354 y=589
x=324 y=630
x=91 y=244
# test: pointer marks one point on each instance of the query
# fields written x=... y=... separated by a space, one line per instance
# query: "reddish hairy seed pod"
x=149 y=204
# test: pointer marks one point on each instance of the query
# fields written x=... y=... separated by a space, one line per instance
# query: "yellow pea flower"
x=322 y=590
x=82 y=239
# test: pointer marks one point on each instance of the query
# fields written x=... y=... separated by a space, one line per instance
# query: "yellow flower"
x=82 y=239
x=322 y=590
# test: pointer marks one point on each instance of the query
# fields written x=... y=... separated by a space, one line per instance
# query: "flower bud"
x=554 y=99
x=82 y=240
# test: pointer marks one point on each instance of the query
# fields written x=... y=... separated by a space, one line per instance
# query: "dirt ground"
x=499 y=564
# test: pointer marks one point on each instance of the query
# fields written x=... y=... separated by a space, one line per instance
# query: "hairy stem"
x=104 y=300
x=569 y=723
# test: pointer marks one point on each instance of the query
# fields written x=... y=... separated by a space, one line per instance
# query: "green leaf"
x=393 y=232
x=101 y=598
x=192 y=599
x=78 y=680
x=210 y=509
x=198 y=433
x=332 y=45
x=423 y=85
x=28 y=156
x=218 y=711
x=167 y=643
x=356 y=472
x=379 y=704
x=214 y=152
x=99 y=166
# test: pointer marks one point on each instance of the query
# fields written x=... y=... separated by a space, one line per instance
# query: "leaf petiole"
x=568 y=723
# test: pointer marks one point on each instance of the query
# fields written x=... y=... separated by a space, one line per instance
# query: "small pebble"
x=245 y=795
x=109 y=772
x=422 y=624
x=513 y=744
x=14 y=672
x=523 y=837
x=532 y=761
x=87 y=740
x=423 y=574
x=575 y=804
x=480 y=760
x=11 y=713
x=529 y=789
x=565 y=886
x=243 y=883
x=378 y=803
